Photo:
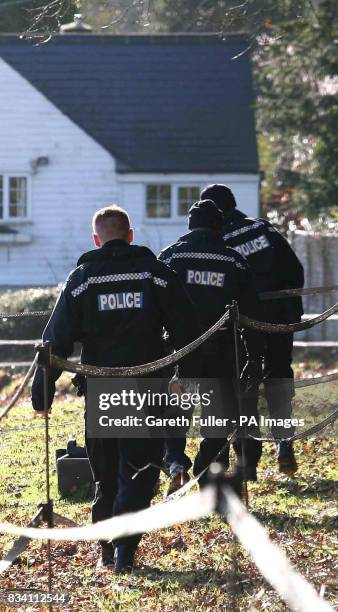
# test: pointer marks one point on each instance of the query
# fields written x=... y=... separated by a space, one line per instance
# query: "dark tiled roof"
x=178 y=103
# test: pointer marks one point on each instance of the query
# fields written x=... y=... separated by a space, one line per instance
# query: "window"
x=158 y=203
x=17 y=196
x=1 y=196
x=187 y=196
x=13 y=197
x=165 y=201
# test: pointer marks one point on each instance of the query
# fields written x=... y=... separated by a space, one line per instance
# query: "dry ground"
x=196 y=566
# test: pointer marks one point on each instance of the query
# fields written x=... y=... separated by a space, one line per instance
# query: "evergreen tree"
x=298 y=107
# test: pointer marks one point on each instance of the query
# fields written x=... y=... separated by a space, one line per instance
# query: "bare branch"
x=121 y=16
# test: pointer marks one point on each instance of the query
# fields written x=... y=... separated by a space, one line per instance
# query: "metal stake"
x=44 y=361
x=234 y=313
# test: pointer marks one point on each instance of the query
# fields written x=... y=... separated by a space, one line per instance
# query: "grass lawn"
x=196 y=566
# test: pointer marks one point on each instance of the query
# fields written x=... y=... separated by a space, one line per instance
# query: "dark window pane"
x=186 y=198
x=17 y=196
x=1 y=197
x=158 y=203
x=164 y=192
x=151 y=192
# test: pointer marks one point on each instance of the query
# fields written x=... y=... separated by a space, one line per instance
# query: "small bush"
x=24 y=328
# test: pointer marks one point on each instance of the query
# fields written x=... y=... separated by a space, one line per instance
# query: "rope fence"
x=266 y=295
x=311 y=431
x=128 y=371
x=298 y=384
x=138 y=370
x=269 y=559
x=15 y=364
x=35 y=427
x=156 y=517
x=29 y=313
x=21 y=388
x=287 y=328
x=285 y=293
x=19 y=342
x=272 y=563
x=306 y=317
x=317 y=380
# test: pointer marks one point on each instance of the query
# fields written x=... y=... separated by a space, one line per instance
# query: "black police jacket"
x=274 y=264
x=116 y=304
x=214 y=276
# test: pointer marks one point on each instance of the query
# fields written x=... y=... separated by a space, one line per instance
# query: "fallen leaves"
x=196 y=566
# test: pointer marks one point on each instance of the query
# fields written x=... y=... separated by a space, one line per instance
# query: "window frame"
x=174 y=217
x=158 y=219
x=6 y=218
x=185 y=186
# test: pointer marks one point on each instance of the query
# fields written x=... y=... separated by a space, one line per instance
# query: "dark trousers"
x=114 y=462
x=279 y=380
x=219 y=364
x=248 y=451
x=214 y=449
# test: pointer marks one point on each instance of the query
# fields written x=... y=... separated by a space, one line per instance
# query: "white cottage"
x=142 y=121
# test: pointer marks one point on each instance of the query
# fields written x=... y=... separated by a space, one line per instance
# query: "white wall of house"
x=63 y=195
x=79 y=178
x=158 y=233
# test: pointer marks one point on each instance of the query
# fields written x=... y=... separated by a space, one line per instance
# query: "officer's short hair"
x=111 y=218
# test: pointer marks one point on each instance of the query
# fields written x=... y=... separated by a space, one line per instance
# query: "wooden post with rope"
x=234 y=317
x=44 y=352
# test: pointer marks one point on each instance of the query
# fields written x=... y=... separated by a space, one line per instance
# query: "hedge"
x=25 y=328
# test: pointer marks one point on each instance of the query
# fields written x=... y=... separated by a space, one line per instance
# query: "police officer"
x=116 y=303
x=214 y=276
x=275 y=266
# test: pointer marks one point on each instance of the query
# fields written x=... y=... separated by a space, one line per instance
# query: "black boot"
x=124 y=558
x=286 y=458
x=249 y=473
x=210 y=451
x=252 y=454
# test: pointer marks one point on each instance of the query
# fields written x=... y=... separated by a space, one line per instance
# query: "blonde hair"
x=111 y=222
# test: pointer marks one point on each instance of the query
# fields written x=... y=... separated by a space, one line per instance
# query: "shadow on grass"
x=230 y=580
x=324 y=488
x=284 y=522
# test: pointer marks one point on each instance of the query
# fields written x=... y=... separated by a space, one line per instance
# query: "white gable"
x=79 y=178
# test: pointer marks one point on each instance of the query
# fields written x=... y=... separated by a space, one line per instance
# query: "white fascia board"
x=190 y=178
